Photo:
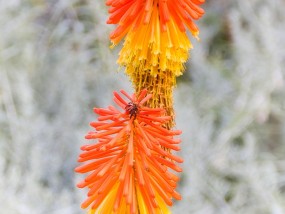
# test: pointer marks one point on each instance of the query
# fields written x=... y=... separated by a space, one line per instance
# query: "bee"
x=132 y=109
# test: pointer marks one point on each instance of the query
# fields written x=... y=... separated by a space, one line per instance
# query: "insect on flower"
x=129 y=170
x=132 y=109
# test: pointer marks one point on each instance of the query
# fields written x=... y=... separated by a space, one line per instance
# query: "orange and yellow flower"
x=155 y=31
x=129 y=169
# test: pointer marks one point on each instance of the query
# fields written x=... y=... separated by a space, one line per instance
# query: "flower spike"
x=129 y=169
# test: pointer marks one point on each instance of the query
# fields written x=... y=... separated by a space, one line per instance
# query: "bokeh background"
x=56 y=65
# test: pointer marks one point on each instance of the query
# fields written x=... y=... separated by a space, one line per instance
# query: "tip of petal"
x=82 y=184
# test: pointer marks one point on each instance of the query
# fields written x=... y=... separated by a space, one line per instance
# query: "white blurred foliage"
x=56 y=65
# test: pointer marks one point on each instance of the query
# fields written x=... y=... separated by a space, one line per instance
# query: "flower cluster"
x=130 y=164
x=155 y=32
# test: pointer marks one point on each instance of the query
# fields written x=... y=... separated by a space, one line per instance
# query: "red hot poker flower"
x=127 y=165
x=155 y=33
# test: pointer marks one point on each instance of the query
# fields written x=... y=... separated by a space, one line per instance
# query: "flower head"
x=155 y=32
x=129 y=169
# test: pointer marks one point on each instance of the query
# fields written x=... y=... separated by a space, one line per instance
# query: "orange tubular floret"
x=102 y=134
x=107 y=167
x=160 y=130
x=162 y=180
x=194 y=7
x=167 y=154
x=126 y=181
x=149 y=188
x=120 y=98
x=117 y=13
x=91 y=166
x=119 y=197
x=130 y=191
x=126 y=95
x=148 y=201
x=107 y=185
x=142 y=96
x=144 y=136
x=102 y=111
x=169 y=164
x=169 y=146
x=139 y=172
x=96 y=155
x=107 y=117
x=154 y=164
x=88 y=201
x=109 y=125
x=198 y=2
x=91 y=178
x=145 y=99
x=161 y=192
x=176 y=195
x=96 y=185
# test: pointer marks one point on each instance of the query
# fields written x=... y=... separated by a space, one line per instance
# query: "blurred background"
x=56 y=65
